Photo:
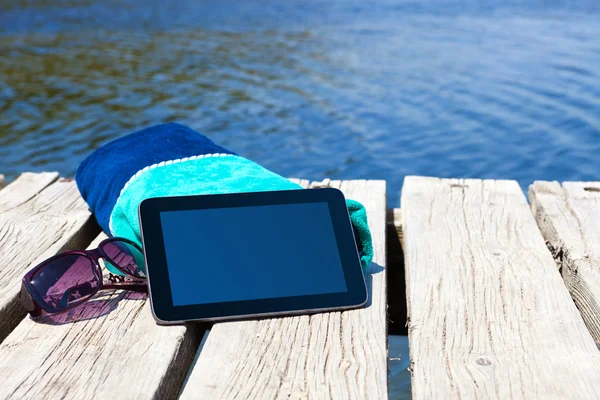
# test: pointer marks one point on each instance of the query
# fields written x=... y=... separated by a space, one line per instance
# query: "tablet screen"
x=247 y=253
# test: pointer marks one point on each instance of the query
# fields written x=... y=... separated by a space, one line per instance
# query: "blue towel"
x=174 y=160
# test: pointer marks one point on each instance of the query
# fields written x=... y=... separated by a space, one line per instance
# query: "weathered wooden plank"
x=109 y=348
x=328 y=355
x=489 y=316
x=39 y=217
x=24 y=188
x=569 y=218
x=394 y=221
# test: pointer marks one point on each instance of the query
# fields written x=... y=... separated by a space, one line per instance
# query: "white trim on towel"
x=153 y=166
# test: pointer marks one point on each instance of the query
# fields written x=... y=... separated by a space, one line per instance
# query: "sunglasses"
x=71 y=278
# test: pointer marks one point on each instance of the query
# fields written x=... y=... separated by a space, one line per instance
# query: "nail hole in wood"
x=591 y=189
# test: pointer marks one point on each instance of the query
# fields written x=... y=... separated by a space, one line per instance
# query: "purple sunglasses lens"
x=66 y=281
x=125 y=257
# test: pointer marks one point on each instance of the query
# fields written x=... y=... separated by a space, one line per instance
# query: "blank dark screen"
x=247 y=253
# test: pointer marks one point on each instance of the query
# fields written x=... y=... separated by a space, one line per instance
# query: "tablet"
x=259 y=254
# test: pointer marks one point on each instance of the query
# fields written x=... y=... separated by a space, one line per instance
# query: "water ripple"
x=338 y=89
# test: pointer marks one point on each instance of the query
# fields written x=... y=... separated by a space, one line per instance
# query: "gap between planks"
x=569 y=218
x=327 y=355
x=396 y=279
x=489 y=315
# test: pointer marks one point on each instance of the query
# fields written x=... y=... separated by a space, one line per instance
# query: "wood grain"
x=329 y=355
x=39 y=216
x=569 y=218
x=109 y=348
x=489 y=315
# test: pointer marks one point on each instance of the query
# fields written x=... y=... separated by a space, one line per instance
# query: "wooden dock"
x=502 y=297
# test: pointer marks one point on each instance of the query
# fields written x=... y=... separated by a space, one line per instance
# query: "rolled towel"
x=174 y=160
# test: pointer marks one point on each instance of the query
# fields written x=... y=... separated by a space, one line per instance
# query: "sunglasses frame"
x=36 y=306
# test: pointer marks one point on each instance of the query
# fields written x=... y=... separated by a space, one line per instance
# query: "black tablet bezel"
x=157 y=270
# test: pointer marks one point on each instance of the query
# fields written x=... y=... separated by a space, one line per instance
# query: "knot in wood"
x=484 y=361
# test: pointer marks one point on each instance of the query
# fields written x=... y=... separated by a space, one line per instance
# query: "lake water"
x=313 y=89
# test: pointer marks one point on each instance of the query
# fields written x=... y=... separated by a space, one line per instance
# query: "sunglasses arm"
x=140 y=287
x=28 y=303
